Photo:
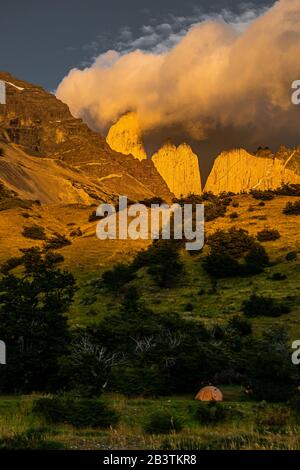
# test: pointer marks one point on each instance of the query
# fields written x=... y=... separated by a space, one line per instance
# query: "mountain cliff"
x=237 y=171
x=125 y=136
x=42 y=127
x=179 y=167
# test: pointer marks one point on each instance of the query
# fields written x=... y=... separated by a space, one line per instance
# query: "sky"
x=41 y=41
x=215 y=74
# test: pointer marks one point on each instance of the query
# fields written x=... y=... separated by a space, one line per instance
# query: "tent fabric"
x=209 y=393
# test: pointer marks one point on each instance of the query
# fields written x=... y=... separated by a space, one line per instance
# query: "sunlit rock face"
x=179 y=167
x=126 y=136
x=238 y=171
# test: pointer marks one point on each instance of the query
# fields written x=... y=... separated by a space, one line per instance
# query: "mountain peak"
x=125 y=136
x=179 y=167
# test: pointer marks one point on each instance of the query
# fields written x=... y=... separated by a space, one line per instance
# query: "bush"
x=153 y=200
x=268 y=367
x=222 y=265
x=79 y=412
x=93 y=217
x=163 y=262
x=240 y=325
x=258 y=305
x=57 y=241
x=134 y=381
x=35 y=232
x=278 y=277
x=288 y=190
x=262 y=195
x=234 y=242
x=234 y=215
x=267 y=235
x=10 y=264
x=208 y=413
x=292 y=208
x=256 y=260
x=162 y=422
x=261 y=204
x=227 y=248
x=189 y=307
x=118 y=276
x=235 y=204
x=76 y=233
x=295 y=405
x=32 y=439
x=291 y=256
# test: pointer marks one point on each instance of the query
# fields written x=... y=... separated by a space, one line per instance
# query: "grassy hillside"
x=196 y=295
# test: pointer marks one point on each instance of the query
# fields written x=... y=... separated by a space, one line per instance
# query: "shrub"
x=2 y=153
x=227 y=248
x=80 y=412
x=135 y=380
x=278 y=277
x=295 y=404
x=268 y=366
x=235 y=204
x=163 y=262
x=262 y=195
x=222 y=265
x=240 y=325
x=292 y=208
x=153 y=200
x=57 y=241
x=291 y=256
x=258 y=305
x=261 y=204
x=76 y=233
x=35 y=232
x=234 y=215
x=189 y=307
x=235 y=242
x=256 y=260
x=31 y=439
x=274 y=418
x=93 y=217
x=37 y=318
x=162 y=422
x=10 y=264
x=267 y=235
x=289 y=190
x=208 y=413
x=118 y=276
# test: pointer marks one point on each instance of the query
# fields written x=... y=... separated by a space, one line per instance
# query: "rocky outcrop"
x=43 y=127
x=179 y=167
x=125 y=136
x=238 y=171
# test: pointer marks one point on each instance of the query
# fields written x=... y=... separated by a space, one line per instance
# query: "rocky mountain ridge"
x=42 y=127
x=240 y=171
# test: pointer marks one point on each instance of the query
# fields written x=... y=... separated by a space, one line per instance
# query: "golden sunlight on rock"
x=179 y=167
x=125 y=136
x=237 y=171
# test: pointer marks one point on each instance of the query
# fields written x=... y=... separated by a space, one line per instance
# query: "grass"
x=215 y=303
x=251 y=426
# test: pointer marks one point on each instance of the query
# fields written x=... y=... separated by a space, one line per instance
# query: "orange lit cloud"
x=215 y=76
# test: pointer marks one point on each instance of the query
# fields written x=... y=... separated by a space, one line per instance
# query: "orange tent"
x=209 y=393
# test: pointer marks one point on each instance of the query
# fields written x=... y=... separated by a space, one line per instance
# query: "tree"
x=33 y=322
x=271 y=374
